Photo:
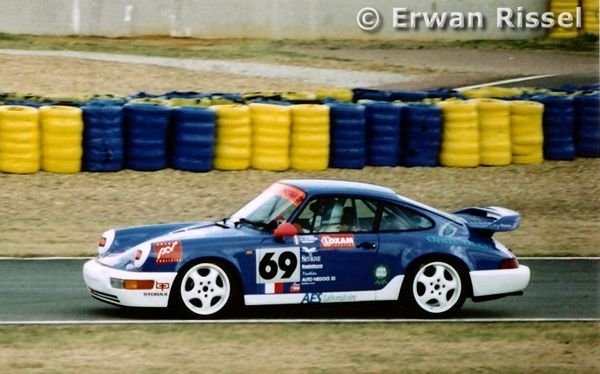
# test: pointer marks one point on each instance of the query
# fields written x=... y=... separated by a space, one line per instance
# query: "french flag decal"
x=273 y=288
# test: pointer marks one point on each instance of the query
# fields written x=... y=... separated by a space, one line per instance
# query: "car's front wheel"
x=205 y=289
x=436 y=289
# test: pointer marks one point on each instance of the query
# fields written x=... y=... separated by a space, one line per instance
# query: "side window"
x=337 y=214
x=398 y=218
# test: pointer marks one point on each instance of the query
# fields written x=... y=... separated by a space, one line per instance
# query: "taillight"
x=509 y=263
x=138 y=254
x=102 y=242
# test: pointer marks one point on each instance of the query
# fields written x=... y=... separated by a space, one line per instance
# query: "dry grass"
x=52 y=215
x=454 y=348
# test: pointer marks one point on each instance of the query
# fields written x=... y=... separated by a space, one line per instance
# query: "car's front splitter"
x=101 y=281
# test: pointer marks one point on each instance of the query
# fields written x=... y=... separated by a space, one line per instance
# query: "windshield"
x=272 y=207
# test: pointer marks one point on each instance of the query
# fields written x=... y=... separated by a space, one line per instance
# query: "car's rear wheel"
x=206 y=289
x=436 y=288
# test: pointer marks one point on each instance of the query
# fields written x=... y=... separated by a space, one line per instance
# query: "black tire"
x=436 y=288
x=206 y=289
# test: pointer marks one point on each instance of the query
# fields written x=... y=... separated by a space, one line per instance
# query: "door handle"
x=367 y=245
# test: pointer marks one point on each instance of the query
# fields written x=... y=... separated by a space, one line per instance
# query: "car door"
x=337 y=244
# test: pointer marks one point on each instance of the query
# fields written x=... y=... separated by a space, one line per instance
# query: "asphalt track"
x=52 y=291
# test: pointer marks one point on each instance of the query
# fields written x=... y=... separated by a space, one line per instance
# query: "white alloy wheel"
x=437 y=288
x=205 y=289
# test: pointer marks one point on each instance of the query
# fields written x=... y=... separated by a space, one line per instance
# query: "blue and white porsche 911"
x=312 y=241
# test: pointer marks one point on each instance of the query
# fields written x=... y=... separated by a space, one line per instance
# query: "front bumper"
x=499 y=282
x=97 y=278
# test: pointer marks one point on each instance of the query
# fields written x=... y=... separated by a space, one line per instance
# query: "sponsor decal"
x=295 y=288
x=317 y=298
x=309 y=250
x=163 y=286
x=316 y=279
x=336 y=241
x=156 y=294
x=305 y=239
x=294 y=195
x=382 y=274
x=456 y=242
x=168 y=252
x=448 y=229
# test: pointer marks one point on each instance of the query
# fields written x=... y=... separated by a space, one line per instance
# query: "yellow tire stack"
x=310 y=137
x=233 y=147
x=591 y=14
x=19 y=140
x=460 y=134
x=339 y=94
x=299 y=97
x=62 y=132
x=527 y=136
x=561 y=6
x=271 y=127
x=494 y=132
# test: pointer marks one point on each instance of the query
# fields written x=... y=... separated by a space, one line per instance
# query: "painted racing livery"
x=312 y=241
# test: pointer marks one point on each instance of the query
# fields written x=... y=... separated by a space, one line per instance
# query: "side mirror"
x=286 y=229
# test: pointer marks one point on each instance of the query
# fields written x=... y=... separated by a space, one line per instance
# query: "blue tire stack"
x=384 y=129
x=146 y=136
x=103 y=145
x=587 y=125
x=348 y=136
x=193 y=139
x=409 y=96
x=370 y=94
x=422 y=135
x=559 y=126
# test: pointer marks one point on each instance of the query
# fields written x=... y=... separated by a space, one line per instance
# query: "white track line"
x=514 y=80
x=295 y=321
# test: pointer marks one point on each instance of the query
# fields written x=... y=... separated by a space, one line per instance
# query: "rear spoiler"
x=493 y=218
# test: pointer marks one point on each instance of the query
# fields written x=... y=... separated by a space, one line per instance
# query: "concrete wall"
x=274 y=19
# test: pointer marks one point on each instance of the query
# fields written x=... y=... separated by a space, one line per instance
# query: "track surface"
x=53 y=290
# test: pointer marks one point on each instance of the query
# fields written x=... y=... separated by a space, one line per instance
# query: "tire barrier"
x=559 y=123
x=422 y=135
x=587 y=125
x=591 y=14
x=19 y=140
x=494 y=132
x=342 y=95
x=271 y=128
x=193 y=139
x=348 y=136
x=62 y=135
x=233 y=143
x=384 y=130
x=526 y=132
x=103 y=138
x=310 y=137
x=177 y=129
x=369 y=94
x=408 y=96
x=560 y=6
x=460 y=134
x=146 y=136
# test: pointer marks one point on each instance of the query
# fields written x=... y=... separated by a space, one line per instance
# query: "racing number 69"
x=277 y=265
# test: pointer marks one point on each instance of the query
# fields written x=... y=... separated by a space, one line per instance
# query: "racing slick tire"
x=205 y=289
x=436 y=288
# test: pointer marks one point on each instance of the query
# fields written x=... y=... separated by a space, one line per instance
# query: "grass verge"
x=429 y=347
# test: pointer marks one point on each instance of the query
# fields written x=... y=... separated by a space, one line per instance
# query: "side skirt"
x=390 y=292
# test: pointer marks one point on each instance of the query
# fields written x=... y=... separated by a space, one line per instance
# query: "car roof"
x=326 y=186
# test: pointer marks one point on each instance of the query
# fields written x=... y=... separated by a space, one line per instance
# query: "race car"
x=308 y=242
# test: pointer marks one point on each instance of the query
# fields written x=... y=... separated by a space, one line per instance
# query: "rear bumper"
x=97 y=278
x=499 y=282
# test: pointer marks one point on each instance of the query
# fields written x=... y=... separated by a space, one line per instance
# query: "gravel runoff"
x=325 y=77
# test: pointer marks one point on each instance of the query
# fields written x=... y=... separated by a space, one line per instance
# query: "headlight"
x=106 y=241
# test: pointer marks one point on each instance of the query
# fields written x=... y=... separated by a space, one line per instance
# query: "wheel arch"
x=229 y=267
x=459 y=263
